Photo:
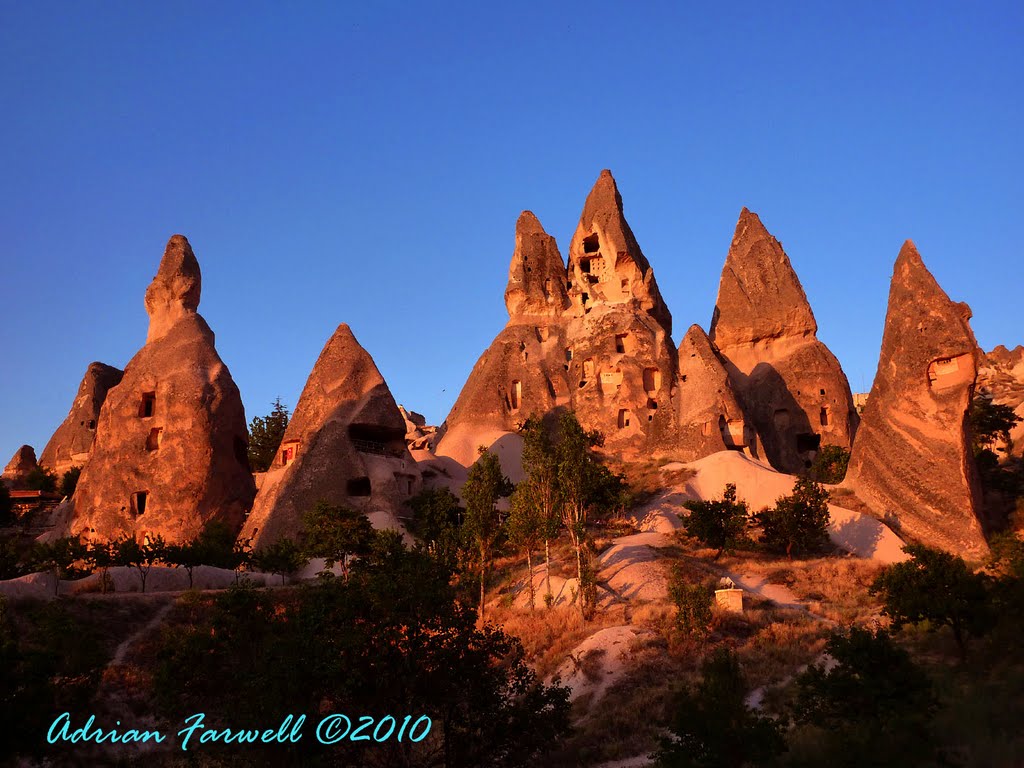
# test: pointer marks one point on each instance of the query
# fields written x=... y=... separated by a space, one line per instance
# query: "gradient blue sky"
x=365 y=163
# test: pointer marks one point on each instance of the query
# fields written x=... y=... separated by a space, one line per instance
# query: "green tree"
x=525 y=529
x=871 y=704
x=60 y=556
x=142 y=557
x=336 y=533
x=436 y=520
x=283 y=557
x=938 y=588
x=187 y=555
x=798 y=524
x=830 y=465
x=101 y=555
x=265 y=436
x=714 y=728
x=693 y=603
x=582 y=480
x=540 y=467
x=69 y=482
x=41 y=479
x=718 y=524
x=484 y=485
x=990 y=423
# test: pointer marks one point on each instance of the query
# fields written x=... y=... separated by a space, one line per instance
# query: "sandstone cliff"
x=71 y=444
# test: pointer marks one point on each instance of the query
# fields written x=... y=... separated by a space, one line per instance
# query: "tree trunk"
x=579 y=579
x=547 y=570
x=483 y=577
x=529 y=564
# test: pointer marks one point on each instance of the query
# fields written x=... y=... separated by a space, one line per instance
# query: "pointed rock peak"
x=536 y=274
x=759 y=296
x=23 y=459
x=606 y=265
x=176 y=288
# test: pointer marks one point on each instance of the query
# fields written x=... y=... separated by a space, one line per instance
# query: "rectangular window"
x=148 y=405
x=138 y=503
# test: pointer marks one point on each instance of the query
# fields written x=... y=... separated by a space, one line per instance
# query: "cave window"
x=547 y=287
x=683 y=378
x=824 y=417
x=584 y=297
x=154 y=439
x=807 y=442
x=823 y=391
x=652 y=380
x=624 y=285
x=542 y=333
x=358 y=486
x=138 y=503
x=515 y=395
x=620 y=342
x=148 y=405
x=591 y=244
x=92 y=424
x=288 y=453
x=568 y=285
x=568 y=354
x=585 y=266
x=652 y=403
x=623 y=418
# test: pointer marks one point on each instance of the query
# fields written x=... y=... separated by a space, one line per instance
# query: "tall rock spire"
x=789 y=382
x=170 y=452
x=912 y=461
x=606 y=265
x=536 y=274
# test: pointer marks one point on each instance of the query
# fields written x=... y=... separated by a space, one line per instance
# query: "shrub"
x=798 y=524
x=718 y=524
x=830 y=465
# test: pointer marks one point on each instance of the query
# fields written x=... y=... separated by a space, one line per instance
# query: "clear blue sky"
x=365 y=163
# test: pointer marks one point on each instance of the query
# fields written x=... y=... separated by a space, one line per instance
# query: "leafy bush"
x=830 y=465
x=798 y=524
x=693 y=602
x=69 y=482
x=718 y=524
x=40 y=479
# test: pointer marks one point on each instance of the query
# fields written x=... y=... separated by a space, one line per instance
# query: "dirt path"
x=153 y=623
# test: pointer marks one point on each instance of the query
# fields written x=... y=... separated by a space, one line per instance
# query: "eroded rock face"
x=18 y=468
x=345 y=444
x=790 y=384
x=1001 y=377
x=711 y=418
x=912 y=462
x=170 y=451
x=71 y=444
x=593 y=336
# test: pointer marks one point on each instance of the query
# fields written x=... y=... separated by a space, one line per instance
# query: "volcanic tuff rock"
x=22 y=462
x=71 y=444
x=711 y=418
x=1001 y=377
x=170 y=451
x=345 y=444
x=790 y=384
x=593 y=336
x=912 y=461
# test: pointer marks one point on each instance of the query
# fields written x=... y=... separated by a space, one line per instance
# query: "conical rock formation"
x=71 y=444
x=790 y=384
x=18 y=468
x=345 y=444
x=912 y=461
x=170 y=451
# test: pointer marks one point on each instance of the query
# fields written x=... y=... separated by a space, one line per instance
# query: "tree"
x=830 y=465
x=693 y=603
x=69 y=482
x=525 y=529
x=798 y=524
x=580 y=478
x=939 y=588
x=142 y=557
x=990 y=422
x=265 y=436
x=484 y=485
x=59 y=556
x=102 y=555
x=873 y=705
x=336 y=533
x=714 y=728
x=718 y=524
x=392 y=640
x=540 y=467
x=436 y=520
x=283 y=557
x=187 y=555
x=41 y=479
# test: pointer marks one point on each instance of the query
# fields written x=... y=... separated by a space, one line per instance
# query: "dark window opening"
x=584 y=297
x=823 y=391
x=568 y=285
x=624 y=285
x=591 y=244
x=623 y=419
x=652 y=404
x=807 y=441
x=138 y=503
x=148 y=405
x=92 y=424
x=683 y=378
x=568 y=354
x=583 y=383
x=358 y=486
x=585 y=266
x=823 y=417
x=154 y=439
x=620 y=343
